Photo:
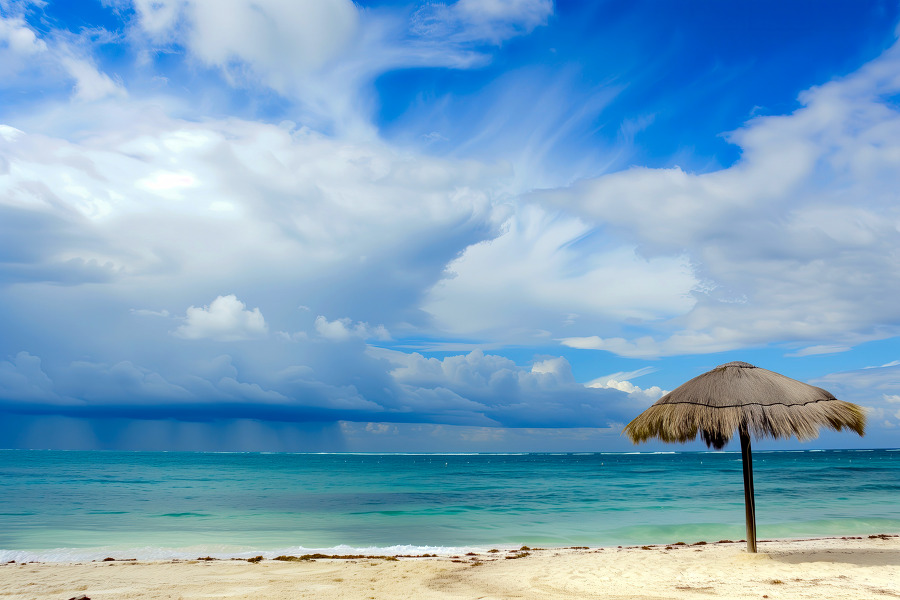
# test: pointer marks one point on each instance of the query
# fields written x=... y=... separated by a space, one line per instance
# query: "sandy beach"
x=834 y=568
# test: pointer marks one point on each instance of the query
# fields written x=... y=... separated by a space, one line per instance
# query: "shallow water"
x=86 y=505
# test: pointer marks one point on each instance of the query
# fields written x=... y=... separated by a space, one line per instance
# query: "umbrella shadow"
x=862 y=557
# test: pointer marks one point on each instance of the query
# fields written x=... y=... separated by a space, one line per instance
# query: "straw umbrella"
x=738 y=397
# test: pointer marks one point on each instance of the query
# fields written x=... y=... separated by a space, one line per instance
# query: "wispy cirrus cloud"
x=28 y=60
x=819 y=349
x=491 y=21
x=323 y=56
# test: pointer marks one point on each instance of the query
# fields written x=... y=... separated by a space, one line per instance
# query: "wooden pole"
x=749 y=503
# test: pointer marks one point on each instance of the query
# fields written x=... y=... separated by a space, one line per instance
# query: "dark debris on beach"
x=309 y=557
x=474 y=558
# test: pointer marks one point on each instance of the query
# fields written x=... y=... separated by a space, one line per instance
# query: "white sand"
x=824 y=568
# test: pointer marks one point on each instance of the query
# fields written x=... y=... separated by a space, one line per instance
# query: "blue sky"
x=482 y=225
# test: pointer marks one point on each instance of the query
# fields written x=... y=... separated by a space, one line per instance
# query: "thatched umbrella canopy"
x=738 y=397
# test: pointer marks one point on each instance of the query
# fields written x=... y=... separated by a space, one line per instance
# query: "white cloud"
x=23 y=378
x=544 y=267
x=108 y=384
x=491 y=21
x=479 y=388
x=10 y=134
x=344 y=329
x=57 y=55
x=647 y=347
x=650 y=394
x=168 y=184
x=794 y=243
x=893 y=363
x=159 y=18
x=90 y=83
x=382 y=428
x=474 y=369
x=529 y=13
x=18 y=38
x=620 y=381
x=276 y=38
x=226 y=319
x=557 y=366
x=150 y=189
x=325 y=54
x=314 y=52
x=144 y=312
x=876 y=389
x=292 y=336
x=866 y=380
x=474 y=389
x=819 y=349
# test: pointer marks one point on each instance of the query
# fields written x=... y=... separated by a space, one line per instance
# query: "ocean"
x=65 y=506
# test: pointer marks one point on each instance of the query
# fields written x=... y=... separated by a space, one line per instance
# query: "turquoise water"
x=85 y=505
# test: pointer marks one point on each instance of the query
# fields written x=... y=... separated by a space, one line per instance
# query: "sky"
x=481 y=225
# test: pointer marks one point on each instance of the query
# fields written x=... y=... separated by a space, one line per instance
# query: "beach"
x=834 y=568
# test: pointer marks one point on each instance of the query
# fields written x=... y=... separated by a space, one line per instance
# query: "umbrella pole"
x=749 y=502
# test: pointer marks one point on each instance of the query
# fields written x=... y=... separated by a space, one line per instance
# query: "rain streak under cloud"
x=506 y=225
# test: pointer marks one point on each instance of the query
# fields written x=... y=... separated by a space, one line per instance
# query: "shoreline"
x=837 y=567
x=79 y=506
x=185 y=554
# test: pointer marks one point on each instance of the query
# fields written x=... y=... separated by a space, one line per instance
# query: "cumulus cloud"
x=557 y=366
x=23 y=378
x=651 y=394
x=621 y=381
x=344 y=329
x=485 y=389
x=226 y=319
x=215 y=391
x=107 y=384
x=17 y=38
x=314 y=222
x=476 y=389
x=109 y=201
x=244 y=194
x=382 y=428
x=276 y=40
x=806 y=218
x=546 y=266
